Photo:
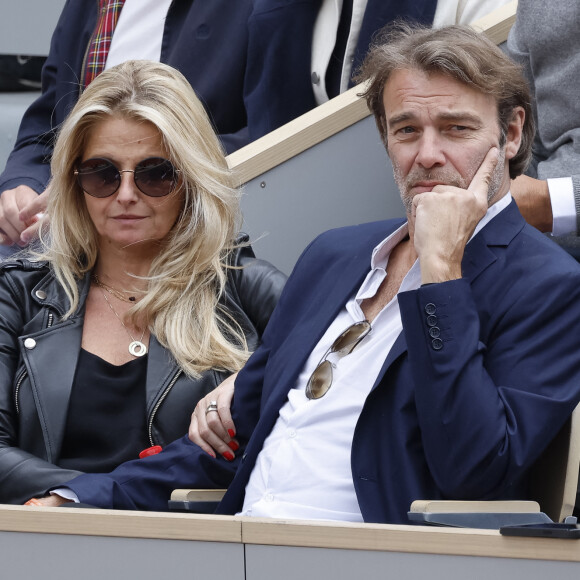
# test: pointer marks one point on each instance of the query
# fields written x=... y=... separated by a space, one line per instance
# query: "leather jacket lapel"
x=52 y=392
x=161 y=369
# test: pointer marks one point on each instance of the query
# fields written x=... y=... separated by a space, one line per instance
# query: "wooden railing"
x=335 y=115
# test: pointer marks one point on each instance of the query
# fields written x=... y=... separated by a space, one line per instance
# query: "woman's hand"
x=48 y=501
x=212 y=427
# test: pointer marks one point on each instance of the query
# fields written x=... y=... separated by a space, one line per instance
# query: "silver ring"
x=211 y=407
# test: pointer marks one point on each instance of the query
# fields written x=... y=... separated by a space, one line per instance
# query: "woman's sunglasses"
x=99 y=177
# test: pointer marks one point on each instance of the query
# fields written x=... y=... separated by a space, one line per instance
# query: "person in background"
x=206 y=40
x=430 y=357
x=303 y=53
x=142 y=298
x=544 y=41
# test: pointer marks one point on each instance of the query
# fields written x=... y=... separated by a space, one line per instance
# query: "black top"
x=106 y=421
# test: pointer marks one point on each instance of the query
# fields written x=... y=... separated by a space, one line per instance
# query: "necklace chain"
x=137 y=347
x=114 y=292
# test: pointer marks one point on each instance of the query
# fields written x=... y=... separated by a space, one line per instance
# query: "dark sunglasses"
x=99 y=177
x=320 y=380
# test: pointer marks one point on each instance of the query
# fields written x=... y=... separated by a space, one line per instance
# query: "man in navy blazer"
x=471 y=363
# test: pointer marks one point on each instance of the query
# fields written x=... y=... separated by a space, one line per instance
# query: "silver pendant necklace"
x=136 y=348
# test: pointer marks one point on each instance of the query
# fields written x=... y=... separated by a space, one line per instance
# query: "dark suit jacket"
x=463 y=421
x=206 y=40
x=278 y=84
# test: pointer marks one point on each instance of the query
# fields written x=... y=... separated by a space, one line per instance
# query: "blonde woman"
x=142 y=298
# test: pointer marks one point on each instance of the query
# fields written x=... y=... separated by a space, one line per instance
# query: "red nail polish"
x=233 y=445
x=150 y=451
x=229 y=456
x=231 y=433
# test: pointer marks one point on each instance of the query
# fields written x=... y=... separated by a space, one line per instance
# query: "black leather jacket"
x=38 y=359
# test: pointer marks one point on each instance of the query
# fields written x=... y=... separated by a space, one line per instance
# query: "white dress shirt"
x=139 y=31
x=563 y=205
x=326 y=28
x=304 y=468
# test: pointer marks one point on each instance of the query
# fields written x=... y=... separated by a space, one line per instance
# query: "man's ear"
x=514 y=133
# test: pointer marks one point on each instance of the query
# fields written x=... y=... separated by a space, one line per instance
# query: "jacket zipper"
x=25 y=372
x=16 y=392
x=159 y=403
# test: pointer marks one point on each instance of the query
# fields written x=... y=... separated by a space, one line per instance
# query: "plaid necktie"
x=98 y=49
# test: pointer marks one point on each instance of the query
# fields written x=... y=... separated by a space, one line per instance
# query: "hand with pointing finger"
x=31 y=215
x=444 y=219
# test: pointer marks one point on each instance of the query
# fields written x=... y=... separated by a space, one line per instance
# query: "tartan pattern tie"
x=98 y=49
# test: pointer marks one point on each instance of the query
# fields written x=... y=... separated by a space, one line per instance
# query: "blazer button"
x=29 y=343
x=434 y=332
x=40 y=294
x=431 y=320
x=315 y=78
x=430 y=308
x=202 y=32
x=437 y=344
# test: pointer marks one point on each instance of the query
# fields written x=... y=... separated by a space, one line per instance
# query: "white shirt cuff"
x=66 y=493
x=563 y=205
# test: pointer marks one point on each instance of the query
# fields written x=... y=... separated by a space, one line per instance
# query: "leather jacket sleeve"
x=257 y=285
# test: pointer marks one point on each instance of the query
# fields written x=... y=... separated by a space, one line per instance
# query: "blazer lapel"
x=500 y=231
x=301 y=341
x=344 y=276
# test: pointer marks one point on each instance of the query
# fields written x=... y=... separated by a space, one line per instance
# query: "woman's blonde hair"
x=181 y=306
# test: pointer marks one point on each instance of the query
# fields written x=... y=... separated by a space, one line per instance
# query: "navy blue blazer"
x=278 y=84
x=464 y=421
x=206 y=40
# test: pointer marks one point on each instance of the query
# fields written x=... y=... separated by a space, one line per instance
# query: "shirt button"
x=29 y=343
x=431 y=320
x=269 y=497
x=315 y=78
x=437 y=344
x=434 y=332
x=430 y=308
x=291 y=433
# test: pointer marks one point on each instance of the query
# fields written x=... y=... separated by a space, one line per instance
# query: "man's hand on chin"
x=444 y=219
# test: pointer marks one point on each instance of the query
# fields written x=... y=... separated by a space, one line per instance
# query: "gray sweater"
x=546 y=42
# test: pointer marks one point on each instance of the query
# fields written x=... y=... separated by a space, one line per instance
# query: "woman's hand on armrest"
x=211 y=424
x=48 y=501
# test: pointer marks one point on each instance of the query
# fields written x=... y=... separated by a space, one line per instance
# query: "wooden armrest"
x=198 y=494
x=476 y=514
x=454 y=506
